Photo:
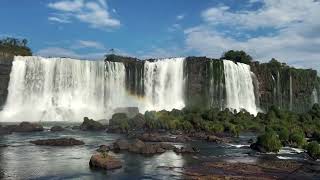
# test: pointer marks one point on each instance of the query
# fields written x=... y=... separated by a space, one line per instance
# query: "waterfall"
x=63 y=89
x=291 y=94
x=239 y=87
x=164 y=84
x=55 y=89
x=315 y=96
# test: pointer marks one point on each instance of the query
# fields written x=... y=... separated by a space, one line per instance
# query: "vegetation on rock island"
x=276 y=127
x=13 y=46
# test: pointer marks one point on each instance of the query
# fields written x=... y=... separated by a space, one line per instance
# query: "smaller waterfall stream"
x=239 y=87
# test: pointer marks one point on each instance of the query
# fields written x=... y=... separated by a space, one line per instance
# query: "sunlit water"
x=23 y=160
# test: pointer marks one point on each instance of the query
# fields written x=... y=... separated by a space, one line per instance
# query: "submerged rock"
x=91 y=125
x=58 y=142
x=187 y=149
x=26 y=127
x=121 y=144
x=104 y=161
x=56 y=129
x=155 y=137
x=138 y=146
x=4 y=131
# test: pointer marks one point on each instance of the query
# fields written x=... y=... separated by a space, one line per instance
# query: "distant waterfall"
x=291 y=94
x=239 y=87
x=164 y=84
x=315 y=99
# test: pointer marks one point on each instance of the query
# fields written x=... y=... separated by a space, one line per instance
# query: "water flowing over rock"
x=164 y=84
x=239 y=87
x=64 y=89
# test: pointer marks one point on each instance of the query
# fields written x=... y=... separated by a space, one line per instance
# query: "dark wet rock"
x=104 y=161
x=104 y=148
x=136 y=146
x=4 y=130
x=91 y=125
x=26 y=127
x=121 y=144
x=250 y=141
x=75 y=127
x=56 y=129
x=216 y=139
x=264 y=170
x=187 y=149
x=58 y=142
x=3 y=145
x=155 y=137
x=258 y=147
x=119 y=123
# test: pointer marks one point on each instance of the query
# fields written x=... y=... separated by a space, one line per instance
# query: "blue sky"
x=87 y=29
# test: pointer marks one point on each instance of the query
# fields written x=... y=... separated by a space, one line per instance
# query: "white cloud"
x=89 y=44
x=59 y=20
x=66 y=5
x=174 y=27
x=180 y=17
x=274 y=13
x=95 y=13
x=296 y=39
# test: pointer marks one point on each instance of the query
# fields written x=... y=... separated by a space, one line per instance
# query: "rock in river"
x=91 y=125
x=58 y=142
x=104 y=161
x=56 y=129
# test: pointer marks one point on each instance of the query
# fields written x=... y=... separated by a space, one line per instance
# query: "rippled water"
x=23 y=160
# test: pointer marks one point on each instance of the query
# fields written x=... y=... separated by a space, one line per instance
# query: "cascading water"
x=55 y=89
x=239 y=87
x=315 y=97
x=63 y=89
x=164 y=84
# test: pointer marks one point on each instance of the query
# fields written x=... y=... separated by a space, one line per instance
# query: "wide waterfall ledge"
x=64 y=89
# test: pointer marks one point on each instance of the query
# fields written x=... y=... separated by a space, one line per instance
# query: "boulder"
x=4 y=130
x=119 y=123
x=187 y=149
x=104 y=148
x=26 y=127
x=91 y=125
x=216 y=139
x=104 y=161
x=136 y=146
x=258 y=147
x=121 y=144
x=58 y=142
x=155 y=137
x=56 y=129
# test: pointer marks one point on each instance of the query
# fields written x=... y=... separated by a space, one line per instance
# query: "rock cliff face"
x=286 y=87
x=5 y=69
x=274 y=83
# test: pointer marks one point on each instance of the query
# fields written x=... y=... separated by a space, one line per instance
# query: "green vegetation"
x=313 y=149
x=14 y=46
x=237 y=56
x=269 y=141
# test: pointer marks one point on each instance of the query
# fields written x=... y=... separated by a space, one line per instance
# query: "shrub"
x=237 y=56
x=297 y=139
x=283 y=135
x=313 y=149
x=269 y=141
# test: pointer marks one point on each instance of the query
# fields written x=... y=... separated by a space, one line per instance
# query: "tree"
x=237 y=56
